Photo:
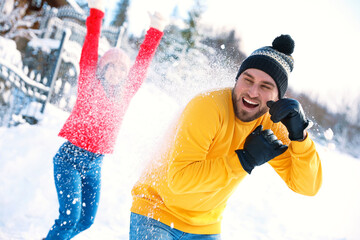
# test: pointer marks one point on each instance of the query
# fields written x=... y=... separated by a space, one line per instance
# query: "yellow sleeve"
x=190 y=169
x=300 y=167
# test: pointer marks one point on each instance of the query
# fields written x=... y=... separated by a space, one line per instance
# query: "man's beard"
x=243 y=115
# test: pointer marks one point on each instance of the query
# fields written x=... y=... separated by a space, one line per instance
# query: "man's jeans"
x=77 y=175
x=142 y=227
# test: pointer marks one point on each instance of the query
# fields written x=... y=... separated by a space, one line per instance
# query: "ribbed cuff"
x=298 y=147
x=235 y=165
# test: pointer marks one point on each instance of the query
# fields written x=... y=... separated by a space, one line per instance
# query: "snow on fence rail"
x=27 y=86
x=35 y=88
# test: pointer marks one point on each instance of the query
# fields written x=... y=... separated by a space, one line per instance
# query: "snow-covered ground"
x=261 y=208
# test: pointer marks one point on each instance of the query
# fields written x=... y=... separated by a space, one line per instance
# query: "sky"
x=326 y=34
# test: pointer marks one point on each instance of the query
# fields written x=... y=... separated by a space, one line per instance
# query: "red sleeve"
x=89 y=53
x=146 y=53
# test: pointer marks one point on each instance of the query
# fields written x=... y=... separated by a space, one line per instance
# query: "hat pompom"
x=284 y=44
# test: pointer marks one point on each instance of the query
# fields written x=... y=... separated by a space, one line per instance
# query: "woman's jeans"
x=142 y=227
x=77 y=175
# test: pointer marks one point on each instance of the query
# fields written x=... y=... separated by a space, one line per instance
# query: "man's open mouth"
x=249 y=104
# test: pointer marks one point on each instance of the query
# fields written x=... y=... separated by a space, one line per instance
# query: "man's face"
x=251 y=92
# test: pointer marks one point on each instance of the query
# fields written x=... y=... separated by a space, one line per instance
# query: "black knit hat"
x=275 y=61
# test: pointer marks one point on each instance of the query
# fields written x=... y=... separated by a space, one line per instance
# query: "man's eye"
x=248 y=80
x=267 y=87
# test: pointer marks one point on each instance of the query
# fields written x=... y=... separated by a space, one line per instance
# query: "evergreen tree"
x=191 y=33
x=121 y=13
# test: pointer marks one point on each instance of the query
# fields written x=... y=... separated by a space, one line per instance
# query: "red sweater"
x=95 y=119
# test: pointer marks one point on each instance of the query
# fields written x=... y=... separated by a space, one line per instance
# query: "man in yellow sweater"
x=220 y=137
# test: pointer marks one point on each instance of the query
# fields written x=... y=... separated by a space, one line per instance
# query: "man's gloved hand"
x=291 y=114
x=98 y=4
x=260 y=147
x=158 y=21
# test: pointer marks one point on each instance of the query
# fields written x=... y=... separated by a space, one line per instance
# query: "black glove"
x=260 y=147
x=291 y=114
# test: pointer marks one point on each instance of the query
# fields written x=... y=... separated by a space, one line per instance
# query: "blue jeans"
x=142 y=227
x=77 y=175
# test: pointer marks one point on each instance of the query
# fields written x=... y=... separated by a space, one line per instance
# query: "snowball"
x=329 y=134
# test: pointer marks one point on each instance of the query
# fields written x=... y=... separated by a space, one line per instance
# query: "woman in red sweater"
x=105 y=88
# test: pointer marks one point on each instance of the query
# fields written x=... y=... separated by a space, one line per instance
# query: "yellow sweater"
x=188 y=184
